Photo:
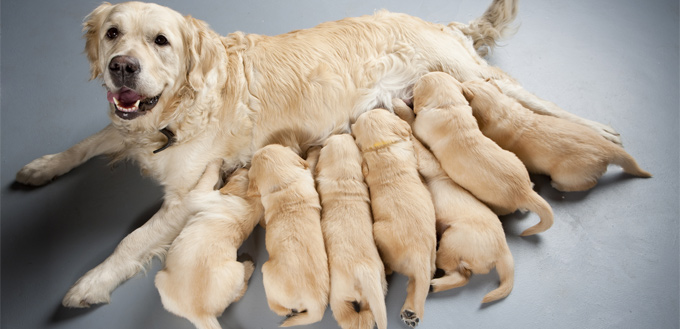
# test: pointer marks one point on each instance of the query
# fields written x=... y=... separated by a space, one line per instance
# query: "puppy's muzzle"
x=124 y=71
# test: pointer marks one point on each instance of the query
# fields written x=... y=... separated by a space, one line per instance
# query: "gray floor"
x=610 y=260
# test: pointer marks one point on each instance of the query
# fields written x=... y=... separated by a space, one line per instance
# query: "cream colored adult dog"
x=444 y=122
x=357 y=273
x=574 y=156
x=296 y=275
x=224 y=96
x=201 y=275
x=403 y=214
x=471 y=235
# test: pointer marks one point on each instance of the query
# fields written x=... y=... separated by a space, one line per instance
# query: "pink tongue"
x=124 y=96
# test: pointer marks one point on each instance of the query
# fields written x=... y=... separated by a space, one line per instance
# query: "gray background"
x=610 y=260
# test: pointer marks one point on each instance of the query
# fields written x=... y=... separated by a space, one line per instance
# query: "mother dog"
x=181 y=96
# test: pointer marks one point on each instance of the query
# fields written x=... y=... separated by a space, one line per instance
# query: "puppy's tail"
x=628 y=163
x=538 y=205
x=373 y=287
x=506 y=272
x=493 y=25
x=206 y=322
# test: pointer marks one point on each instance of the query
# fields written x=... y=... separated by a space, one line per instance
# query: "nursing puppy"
x=444 y=122
x=573 y=155
x=357 y=274
x=472 y=238
x=201 y=275
x=296 y=275
x=403 y=214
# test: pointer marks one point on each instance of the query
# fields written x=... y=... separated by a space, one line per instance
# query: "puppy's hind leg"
x=249 y=268
x=452 y=279
x=418 y=287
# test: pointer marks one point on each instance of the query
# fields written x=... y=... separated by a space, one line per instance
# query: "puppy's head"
x=340 y=158
x=481 y=93
x=436 y=90
x=379 y=127
x=148 y=56
x=274 y=167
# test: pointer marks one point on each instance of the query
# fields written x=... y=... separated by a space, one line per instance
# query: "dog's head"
x=436 y=90
x=340 y=158
x=378 y=128
x=481 y=93
x=149 y=57
x=273 y=168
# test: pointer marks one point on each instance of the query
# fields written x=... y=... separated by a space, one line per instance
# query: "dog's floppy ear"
x=469 y=95
x=202 y=49
x=91 y=29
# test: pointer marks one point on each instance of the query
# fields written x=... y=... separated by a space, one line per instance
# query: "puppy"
x=403 y=214
x=357 y=273
x=444 y=122
x=296 y=275
x=201 y=275
x=472 y=238
x=573 y=155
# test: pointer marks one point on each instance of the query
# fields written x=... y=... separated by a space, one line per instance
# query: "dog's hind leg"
x=414 y=306
x=541 y=106
x=452 y=279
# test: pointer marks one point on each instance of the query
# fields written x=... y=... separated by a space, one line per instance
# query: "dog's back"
x=296 y=275
x=358 y=277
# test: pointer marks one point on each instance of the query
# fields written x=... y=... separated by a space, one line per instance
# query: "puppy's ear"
x=469 y=95
x=364 y=168
x=202 y=47
x=91 y=30
x=252 y=191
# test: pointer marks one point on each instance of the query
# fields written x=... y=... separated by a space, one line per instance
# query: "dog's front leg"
x=42 y=170
x=130 y=256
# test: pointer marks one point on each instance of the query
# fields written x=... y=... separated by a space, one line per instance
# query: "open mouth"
x=130 y=105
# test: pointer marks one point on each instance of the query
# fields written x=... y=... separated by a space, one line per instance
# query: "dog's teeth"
x=116 y=101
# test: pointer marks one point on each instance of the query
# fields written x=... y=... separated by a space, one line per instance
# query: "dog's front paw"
x=39 y=172
x=410 y=318
x=86 y=292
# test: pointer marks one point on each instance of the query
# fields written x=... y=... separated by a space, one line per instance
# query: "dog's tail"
x=366 y=311
x=628 y=163
x=538 y=205
x=373 y=288
x=506 y=272
x=206 y=322
x=493 y=25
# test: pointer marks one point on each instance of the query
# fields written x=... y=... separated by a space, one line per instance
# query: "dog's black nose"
x=124 y=70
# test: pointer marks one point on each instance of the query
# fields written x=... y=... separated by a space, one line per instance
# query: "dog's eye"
x=161 y=40
x=112 y=33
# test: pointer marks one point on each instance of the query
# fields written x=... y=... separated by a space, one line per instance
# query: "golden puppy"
x=403 y=214
x=296 y=275
x=444 y=122
x=472 y=238
x=357 y=273
x=572 y=154
x=201 y=275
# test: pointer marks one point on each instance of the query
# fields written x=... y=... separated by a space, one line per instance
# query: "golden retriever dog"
x=403 y=214
x=357 y=274
x=201 y=275
x=471 y=235
x=295 y=277
x=444 y=122
x=181 y=95
x=574 y=156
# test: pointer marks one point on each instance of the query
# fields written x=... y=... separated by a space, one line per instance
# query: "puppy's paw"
x=39 y=171
x=86 y=292
x=410 y=318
